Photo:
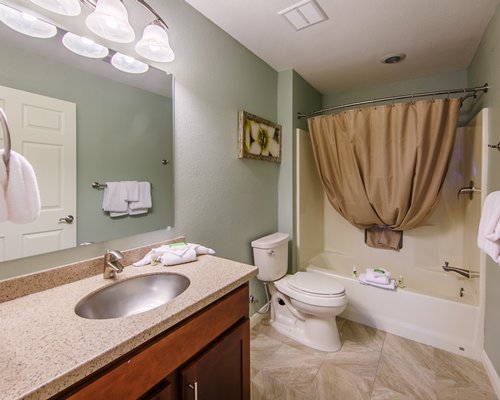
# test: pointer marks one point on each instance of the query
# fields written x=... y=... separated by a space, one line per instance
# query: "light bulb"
x=63 y=7
x=83 y=46
x=109 y=20
x=154 y=44
x=128 y=64
x=25 y=23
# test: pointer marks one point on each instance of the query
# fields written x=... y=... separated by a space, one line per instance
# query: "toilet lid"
x=317 y=284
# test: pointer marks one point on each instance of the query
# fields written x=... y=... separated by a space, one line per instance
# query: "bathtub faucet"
x=464 y=272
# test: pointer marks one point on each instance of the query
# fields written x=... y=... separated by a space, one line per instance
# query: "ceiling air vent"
x=304 y=14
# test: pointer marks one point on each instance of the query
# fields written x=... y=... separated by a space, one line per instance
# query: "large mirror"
x=124 y=132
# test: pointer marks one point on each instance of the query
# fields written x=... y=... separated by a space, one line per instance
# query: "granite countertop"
x=45 y=347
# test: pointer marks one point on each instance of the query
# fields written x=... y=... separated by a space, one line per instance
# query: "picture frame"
x=258 y=138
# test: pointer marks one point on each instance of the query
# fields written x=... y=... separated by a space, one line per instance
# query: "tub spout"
x=464 y=272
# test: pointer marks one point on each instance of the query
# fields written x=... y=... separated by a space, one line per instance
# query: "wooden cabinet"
x=209 y=351
x=219 y=372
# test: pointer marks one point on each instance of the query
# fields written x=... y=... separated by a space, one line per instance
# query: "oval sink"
x=132 y=296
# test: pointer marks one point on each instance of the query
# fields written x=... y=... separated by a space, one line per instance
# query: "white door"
x=43 y=130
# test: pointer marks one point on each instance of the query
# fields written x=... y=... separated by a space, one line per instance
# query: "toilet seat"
x=302 y=289
x=315 y=284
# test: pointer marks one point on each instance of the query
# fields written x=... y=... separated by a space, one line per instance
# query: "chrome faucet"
x=464 y=272
x=112 y=264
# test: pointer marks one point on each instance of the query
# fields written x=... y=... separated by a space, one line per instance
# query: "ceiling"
x=344 y=51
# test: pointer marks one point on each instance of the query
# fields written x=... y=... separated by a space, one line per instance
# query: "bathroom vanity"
x=205 y=357
x=198 y=342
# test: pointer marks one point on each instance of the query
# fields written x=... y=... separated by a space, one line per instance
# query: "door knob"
x=68 y=219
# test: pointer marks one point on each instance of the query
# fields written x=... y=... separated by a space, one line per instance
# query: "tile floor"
x=371 y=365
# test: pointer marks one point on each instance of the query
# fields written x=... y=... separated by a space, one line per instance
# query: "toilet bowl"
x=304 y=305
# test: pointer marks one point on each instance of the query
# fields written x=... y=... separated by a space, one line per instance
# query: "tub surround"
x=46 y=347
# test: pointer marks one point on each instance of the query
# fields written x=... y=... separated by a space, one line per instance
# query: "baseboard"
x=257 y=317
x=492 y=374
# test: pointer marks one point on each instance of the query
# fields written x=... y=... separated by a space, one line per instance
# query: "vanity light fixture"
x=109 y=20
x=128 y=64
x=25 y=23
x=63 y=7
x=83 y=46
x=154 y=44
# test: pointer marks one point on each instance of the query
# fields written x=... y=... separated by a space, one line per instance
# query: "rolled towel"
x=390 y=286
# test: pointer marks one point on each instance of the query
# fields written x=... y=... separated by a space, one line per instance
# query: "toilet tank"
x=270 y=255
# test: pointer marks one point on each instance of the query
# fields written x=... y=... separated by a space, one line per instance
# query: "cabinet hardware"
x=195 y=389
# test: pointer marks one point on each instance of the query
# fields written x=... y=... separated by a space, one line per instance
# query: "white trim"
x=492 y=374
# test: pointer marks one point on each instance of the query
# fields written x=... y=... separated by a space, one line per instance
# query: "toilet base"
x=318 y=333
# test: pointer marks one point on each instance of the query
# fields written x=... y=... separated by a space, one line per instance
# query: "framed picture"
x=259 y=139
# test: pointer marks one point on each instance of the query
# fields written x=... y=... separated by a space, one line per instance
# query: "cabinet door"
x=221 y=372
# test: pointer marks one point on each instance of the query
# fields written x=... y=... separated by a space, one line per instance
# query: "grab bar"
x=471 y=189
x=464 y=272
x=6 y=137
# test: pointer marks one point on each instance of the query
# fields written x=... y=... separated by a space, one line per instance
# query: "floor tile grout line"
x=378 y=365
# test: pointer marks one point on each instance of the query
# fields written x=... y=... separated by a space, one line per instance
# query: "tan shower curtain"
x=382 y=168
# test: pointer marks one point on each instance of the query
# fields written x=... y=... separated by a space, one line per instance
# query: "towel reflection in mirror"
x=19 y=193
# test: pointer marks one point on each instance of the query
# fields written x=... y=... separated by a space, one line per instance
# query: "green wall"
x=220 y=200
x=122 y=134
x=485 y=67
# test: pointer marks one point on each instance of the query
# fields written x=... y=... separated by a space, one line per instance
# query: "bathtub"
x=428 y=310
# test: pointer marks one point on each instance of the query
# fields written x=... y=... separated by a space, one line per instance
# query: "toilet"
x=304 y=306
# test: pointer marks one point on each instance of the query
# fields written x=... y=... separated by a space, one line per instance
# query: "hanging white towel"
x=488 y=237
x=143 y=203
x=114 y=199
x=4 y=214
x=22 y=196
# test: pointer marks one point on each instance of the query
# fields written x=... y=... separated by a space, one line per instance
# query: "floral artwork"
x=258 y=138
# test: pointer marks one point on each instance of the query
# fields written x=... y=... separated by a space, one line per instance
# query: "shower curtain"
x=382 y=168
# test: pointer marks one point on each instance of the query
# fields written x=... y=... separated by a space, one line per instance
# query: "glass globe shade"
x=83 y=46
x=128 y=64
x=154 y=45
x=109 y=20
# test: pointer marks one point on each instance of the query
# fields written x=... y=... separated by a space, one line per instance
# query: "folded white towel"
x=171 y=258
x=115 y=197
x=143 y=203
x=488 y=237
x=22 y=197
x=378 y=275
x=132 y=190
x=390 y=286
x=175 y=253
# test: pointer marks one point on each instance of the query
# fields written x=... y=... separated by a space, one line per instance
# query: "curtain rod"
x=472 y=93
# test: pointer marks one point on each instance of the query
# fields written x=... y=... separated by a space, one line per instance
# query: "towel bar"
x=97 y=185
x=6 y=137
